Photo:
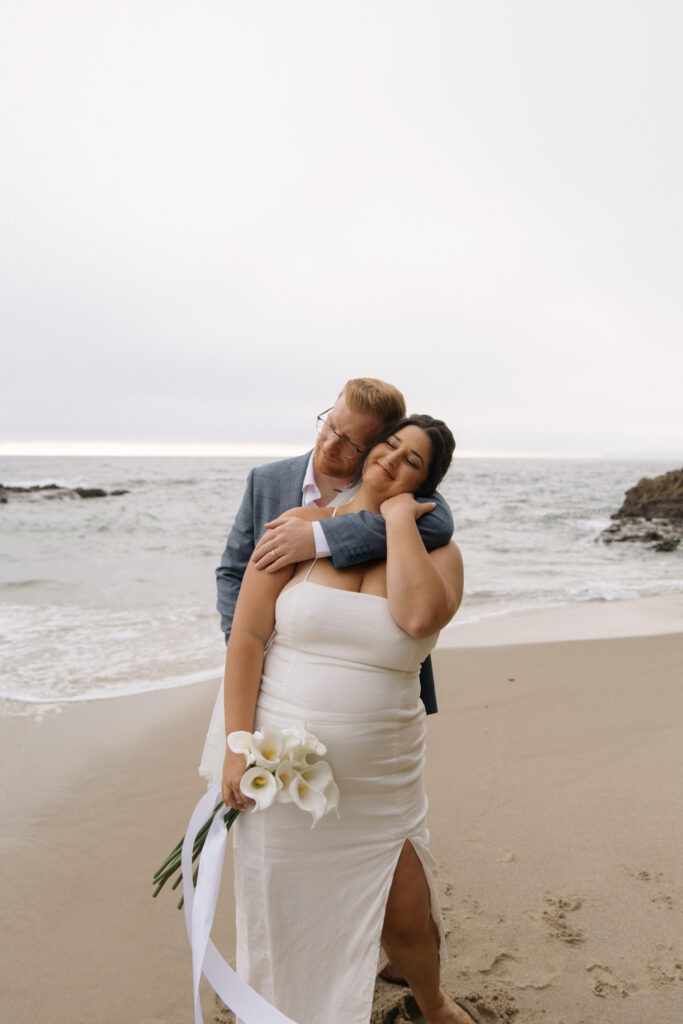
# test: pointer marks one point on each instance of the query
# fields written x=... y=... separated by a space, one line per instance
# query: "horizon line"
x=256 y=449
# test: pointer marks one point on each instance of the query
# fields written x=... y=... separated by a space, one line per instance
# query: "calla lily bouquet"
x=282 y=767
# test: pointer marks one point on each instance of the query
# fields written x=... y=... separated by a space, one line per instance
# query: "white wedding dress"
x=310 y=902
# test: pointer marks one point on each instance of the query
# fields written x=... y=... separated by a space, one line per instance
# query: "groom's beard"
x=332 y=465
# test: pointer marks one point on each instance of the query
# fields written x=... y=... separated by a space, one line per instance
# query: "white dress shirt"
x=310 y=496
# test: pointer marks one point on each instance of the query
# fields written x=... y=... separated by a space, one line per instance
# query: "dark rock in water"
x=55 y=491
x=653 y=502
x=670 y=544
x=90 y=492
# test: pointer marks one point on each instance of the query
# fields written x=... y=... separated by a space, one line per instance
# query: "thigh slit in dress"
x=310 y=902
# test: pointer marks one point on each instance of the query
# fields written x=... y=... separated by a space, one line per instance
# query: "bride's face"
x=399 y=464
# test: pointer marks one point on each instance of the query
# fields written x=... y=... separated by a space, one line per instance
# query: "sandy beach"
x=556 y=812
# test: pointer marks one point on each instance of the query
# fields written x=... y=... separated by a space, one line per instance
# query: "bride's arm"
x=424 y=589
x=251 y=629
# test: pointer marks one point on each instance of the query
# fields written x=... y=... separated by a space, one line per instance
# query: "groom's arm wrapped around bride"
x=276 y=487
x=363 y=537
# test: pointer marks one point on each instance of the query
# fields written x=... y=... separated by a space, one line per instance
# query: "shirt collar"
x=310 y=492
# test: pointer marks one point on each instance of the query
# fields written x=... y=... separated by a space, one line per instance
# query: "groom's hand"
x=287 y=540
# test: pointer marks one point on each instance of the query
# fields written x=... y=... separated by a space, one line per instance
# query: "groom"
x=324 y=476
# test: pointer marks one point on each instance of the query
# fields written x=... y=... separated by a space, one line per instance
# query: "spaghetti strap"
x=310 y=568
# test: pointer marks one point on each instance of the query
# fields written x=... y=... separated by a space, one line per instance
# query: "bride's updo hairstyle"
x=443 y=446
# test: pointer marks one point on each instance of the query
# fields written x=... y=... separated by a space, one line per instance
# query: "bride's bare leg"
x=411 y=940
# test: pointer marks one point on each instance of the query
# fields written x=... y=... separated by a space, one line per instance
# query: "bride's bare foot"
x=448 y=1012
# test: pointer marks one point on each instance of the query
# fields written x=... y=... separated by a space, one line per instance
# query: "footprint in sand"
x=644 y=876
x=662 y=899
x=555 y=918
x=506 y=968
x=472 y=906
x=445 y=897
x=606 y=984
x=665 y=967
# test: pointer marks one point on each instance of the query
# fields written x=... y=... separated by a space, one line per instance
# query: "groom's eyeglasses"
x=347 y=449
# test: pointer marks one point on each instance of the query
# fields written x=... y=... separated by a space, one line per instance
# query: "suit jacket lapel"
x=292 y=483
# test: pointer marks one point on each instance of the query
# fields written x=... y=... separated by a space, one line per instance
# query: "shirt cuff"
x=322 y=548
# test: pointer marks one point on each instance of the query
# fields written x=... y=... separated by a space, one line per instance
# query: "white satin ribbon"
x=200 y=908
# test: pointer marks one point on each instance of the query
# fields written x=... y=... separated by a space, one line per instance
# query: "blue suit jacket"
x=274 y=488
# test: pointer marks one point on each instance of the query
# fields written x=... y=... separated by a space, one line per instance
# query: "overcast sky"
x=214 y=213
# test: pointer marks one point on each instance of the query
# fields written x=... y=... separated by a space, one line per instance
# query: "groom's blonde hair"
x=372 y=397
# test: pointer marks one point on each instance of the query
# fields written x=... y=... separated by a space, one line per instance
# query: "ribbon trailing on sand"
x=200 y=909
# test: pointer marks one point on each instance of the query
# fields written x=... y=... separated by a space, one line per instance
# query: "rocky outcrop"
x=55 y=491
x=652 y=513
x=659 y=497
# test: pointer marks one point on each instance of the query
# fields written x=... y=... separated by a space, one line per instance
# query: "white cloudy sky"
x=213 y=213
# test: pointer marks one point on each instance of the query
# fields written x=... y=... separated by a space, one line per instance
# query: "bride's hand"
x=404 y=504
x=234 y=767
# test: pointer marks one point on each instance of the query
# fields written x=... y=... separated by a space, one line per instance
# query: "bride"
x=313 y=906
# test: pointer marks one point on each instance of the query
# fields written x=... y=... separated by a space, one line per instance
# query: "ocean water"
x=116 y=595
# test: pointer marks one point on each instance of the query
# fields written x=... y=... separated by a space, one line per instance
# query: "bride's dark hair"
x=443 y=446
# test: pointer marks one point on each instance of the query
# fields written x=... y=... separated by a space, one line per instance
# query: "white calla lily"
x=315 y=790
x=285 y=773
x=332 y=797
x=261 y=785
x=301 y=745
x=241 y=742
x=307 y=799
x=317 y=775
x=268 y=747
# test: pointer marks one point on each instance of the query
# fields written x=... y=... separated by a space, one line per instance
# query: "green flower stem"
x=158 y=889
x=173 y=856
x=172 y=863
x=177 y=850
x=194 y=886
